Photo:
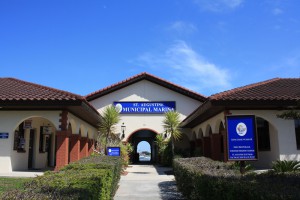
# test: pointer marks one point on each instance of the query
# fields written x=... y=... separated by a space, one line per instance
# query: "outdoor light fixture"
x=123 y=129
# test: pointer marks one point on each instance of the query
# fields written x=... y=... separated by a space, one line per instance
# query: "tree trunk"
x=106 y=139
x=173 y=148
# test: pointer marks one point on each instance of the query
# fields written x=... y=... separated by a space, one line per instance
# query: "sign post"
x=241 y=139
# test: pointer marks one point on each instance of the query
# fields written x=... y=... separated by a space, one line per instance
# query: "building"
x=42 y=127
x=277 y=139
x=142 y=101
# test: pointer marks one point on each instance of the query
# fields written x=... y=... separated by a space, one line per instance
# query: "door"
x=30 y=153
x=48 y=149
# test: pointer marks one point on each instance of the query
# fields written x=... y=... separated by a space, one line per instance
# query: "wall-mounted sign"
x=47 y=130
x=241 y=132
x=145 y=107
x=27 y=124
x=3 y=135
x=113 y=151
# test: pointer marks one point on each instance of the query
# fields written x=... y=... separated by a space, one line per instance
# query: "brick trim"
x=63 y=120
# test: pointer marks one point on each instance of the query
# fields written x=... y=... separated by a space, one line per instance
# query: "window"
x=263 y=135
x=19 y=139
x=297 y=131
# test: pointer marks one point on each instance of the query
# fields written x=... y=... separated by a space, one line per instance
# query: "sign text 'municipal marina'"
x=145 y=107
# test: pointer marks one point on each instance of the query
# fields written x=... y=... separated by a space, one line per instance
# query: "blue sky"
x=205 y=45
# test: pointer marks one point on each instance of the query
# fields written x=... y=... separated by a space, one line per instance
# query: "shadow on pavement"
x=168 y=191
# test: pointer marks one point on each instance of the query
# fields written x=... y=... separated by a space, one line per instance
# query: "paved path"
x=147 y=182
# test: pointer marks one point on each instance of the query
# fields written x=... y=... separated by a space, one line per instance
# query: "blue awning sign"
x=241 y=137
x=145 y=107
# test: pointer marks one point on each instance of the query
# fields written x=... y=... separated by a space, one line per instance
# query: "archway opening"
x=144 y=135
x=144 y=151
x=33 y=144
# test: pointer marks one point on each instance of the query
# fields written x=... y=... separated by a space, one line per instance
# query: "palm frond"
x=171 y=124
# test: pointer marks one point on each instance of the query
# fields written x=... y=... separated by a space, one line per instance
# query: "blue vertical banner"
x=241 y=137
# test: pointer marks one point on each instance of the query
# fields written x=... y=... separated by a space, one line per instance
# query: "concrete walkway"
x=147 y=182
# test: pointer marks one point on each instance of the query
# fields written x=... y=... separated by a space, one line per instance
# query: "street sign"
x=241 y=137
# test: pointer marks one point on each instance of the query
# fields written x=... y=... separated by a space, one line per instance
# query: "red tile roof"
x=14 y=89
x=21 y=95
x=273 y=89
x=277 y=93
x=149 y=77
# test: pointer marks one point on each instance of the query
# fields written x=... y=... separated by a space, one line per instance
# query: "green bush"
x=203 y=178
x=94 y=177
x=282 y=166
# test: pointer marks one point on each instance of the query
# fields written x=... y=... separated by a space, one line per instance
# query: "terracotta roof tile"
x=273 y=89
x=14 y=89
x=149 y=77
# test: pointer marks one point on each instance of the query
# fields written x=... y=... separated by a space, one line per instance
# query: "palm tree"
x=171 y=125
x=109 y=118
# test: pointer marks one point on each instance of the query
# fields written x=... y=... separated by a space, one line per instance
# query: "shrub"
x=94 y=177
x=203 y=178
x=283 y=166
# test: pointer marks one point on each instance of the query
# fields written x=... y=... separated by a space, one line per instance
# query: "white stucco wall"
x=213 y=122
x=9 y=120
x=282 y=135
x=145 y=91
x=78 y=124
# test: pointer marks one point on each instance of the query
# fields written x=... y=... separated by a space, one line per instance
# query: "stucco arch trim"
x=141 y=129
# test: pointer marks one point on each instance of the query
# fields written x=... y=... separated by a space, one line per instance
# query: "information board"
x=147 y=107
x=113 y=151
x=241 y=132
x=3 y=135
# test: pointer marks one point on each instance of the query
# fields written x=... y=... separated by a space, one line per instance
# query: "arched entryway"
x=33 y=144
x=145 y=135
x=144 y=150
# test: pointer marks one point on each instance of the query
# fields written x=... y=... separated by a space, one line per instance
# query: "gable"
x=147 y=91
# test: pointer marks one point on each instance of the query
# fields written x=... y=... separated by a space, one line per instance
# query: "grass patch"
x=11 y=183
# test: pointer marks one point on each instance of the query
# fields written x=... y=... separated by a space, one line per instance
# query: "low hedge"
x=95 y=177
x=203 y=178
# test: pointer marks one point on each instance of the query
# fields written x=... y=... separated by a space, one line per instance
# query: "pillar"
x=75 y=147
x=83 y=147
x=206 y=147
x=62 y=149
x=193 y=148
x=91 y=146
x=215 y=146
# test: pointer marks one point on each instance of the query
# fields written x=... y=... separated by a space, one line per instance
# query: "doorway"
x=144 y=151
x=144 y=135
x=31 y=149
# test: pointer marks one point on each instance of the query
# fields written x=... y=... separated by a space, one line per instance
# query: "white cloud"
x=182 y=27
x=186 y=67
x=218 y=5
x=277 y=11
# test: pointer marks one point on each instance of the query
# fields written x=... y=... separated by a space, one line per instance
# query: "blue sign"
x=241 y=132
x=145 y=107
x=113 y=151
x=3 y=135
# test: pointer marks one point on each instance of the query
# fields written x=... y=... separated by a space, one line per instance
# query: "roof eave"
x=212 y=107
